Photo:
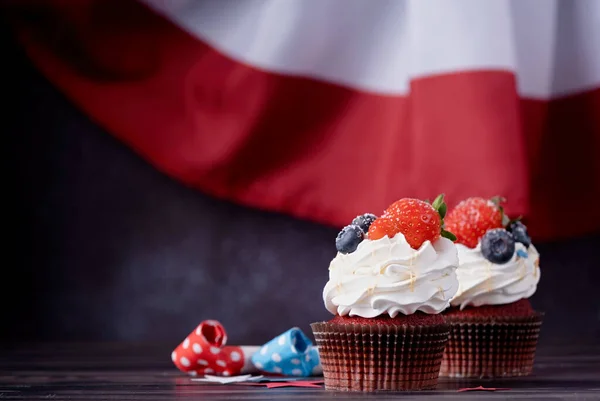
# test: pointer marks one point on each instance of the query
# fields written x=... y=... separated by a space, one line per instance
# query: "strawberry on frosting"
x=473 y=217
x=417 y=220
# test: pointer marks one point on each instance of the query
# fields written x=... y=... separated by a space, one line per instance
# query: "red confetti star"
x=481 y=388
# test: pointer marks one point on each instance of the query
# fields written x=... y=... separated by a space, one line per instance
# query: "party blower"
x=203 y=352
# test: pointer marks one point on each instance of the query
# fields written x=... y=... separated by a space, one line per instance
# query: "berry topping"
x=364 y=221
x=382 y=227
x=348 y=239
x=519 y=232
x=473 y=217
x=498 y=246
x=417 y=220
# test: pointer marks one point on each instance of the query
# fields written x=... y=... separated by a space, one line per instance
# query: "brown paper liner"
x=482 y=349
x=358 y=357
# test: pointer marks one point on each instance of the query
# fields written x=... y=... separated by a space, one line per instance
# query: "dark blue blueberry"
x=519 y=232
x=364 y=221
x=348 y=239
x=498 y=246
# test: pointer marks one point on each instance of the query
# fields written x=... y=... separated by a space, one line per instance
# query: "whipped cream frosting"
x=482 y=282
x=388 y=276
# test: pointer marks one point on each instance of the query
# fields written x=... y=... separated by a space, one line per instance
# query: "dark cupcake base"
x=485 y=345
x=374 y=357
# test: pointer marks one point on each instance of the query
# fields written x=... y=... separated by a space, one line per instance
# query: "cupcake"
x=388 y=283
x=494 y=329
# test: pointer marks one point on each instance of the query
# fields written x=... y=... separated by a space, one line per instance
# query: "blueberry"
x=348 y=239
x=364 y=221
x=519 y=232
x=498 y=246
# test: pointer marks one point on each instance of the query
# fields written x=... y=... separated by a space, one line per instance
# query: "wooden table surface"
x=569 y=371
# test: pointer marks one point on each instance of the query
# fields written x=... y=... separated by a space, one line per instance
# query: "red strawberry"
x=472 y=218
x=381 y=227
x=417 y=220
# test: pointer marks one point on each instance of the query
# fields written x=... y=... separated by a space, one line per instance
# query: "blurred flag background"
x=324 y=109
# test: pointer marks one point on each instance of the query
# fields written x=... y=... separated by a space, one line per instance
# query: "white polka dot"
x=276 y=357
x=235 y=356
x=211 y=322
x=297 y=372
x=307 y=358
x=197 y=348
x=173 y=356
x=198 y=331
x=193 y=373
x=221 y=363
x=208 y=371
x=296 y=361
x=277 y=369
x=215 y=350
x=186 y=343
x=226 y=373
x=202 y=362
x=184 y=361
x=258 y=365
x=263 y=350
x=281 y=340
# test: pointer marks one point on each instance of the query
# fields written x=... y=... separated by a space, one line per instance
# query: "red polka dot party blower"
x=203 y=352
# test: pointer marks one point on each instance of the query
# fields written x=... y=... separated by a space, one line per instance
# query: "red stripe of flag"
x=310 y=148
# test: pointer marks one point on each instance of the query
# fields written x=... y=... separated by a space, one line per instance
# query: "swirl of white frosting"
x=388 y=276
x=481 y=282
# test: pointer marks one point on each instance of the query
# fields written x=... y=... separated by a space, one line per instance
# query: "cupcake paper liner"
x=359 y=357
x=481 y=349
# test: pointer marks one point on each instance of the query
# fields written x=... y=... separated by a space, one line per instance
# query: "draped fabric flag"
x=325 y=109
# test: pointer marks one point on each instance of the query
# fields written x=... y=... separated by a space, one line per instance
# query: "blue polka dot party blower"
x=289 y=354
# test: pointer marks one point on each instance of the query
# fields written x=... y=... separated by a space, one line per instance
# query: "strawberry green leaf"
x=449 y=235
x=497 y=200
x=439 y=201
x=442 y=211
x=505 y=219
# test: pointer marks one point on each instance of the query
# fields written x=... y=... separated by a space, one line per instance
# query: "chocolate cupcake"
x=387 y=285
x=494 y=329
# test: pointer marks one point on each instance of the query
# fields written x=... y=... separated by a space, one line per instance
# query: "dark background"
x=101 y=246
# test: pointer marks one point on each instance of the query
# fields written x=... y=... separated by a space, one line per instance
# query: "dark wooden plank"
x=568 y=371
